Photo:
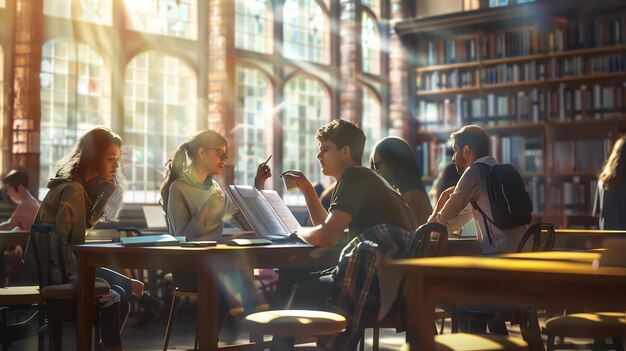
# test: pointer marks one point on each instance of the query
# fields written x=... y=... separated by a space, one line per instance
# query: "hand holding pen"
x=263 y=172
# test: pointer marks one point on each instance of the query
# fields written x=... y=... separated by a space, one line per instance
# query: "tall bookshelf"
x=547 y=80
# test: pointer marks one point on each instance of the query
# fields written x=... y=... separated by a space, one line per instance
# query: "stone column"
x=26 y=105
x=221 y=73
x=349 y=33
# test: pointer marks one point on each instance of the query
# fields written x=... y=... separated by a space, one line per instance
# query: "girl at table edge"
x=196 y=207
x=610 y=200
x=88 y=186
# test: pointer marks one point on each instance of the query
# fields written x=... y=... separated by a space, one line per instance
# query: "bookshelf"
x=547 y=80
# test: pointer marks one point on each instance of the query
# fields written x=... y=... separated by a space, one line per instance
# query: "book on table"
x=152 y=240
x=266 y=212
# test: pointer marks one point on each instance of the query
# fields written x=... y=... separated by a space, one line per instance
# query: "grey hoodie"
x=186 y=197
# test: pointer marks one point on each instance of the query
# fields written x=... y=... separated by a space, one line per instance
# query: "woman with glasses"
x=395 y=161
x=197 y=208
x=195 y=204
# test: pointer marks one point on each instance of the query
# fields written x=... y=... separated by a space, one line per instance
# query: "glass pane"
x=305 y=31
x=177 y=18
x=75 y=96
x=371 y=123
x=253 y=25
x=158 y=115
x=92 y=11
x=253 y=123
x=306 y=110
x=370 y=44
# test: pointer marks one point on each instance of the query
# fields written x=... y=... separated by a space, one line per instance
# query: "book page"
x=282 y=210
x=258 y=211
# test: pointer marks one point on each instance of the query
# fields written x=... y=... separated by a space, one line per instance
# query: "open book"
x=265 y=211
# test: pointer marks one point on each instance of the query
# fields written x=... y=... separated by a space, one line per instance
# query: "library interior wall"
x=427 y=8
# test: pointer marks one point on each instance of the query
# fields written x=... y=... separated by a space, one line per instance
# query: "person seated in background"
x=196 y=207
x=362 y=202
x=395 y=161
x=16 y=185
x=454 y=209
x=88 y=186
x=448 y=178
x=610 y=200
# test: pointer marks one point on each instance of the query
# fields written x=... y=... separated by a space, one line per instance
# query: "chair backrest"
x=542 y=235
x=429 y=240
x=41 y=241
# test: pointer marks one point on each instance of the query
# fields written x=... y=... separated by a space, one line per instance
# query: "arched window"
x=305 y=31
x=371 y=122
x=3 y=3
x=92 y=11
x=177 y=18
x=253 y=123
x=373 y=5
x=306 y=109
x=370 y=44
x=159 y=114
x=75 y=96
x=253 y=26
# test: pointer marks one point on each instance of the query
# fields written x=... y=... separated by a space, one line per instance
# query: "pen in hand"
x=266 y=161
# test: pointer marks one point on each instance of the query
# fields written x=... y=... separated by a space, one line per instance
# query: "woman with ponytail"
x=195 y=204
x=197 y=208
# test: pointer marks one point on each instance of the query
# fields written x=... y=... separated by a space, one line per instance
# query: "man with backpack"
x=492 y=194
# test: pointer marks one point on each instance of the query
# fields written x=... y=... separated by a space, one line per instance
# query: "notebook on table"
x=152 y=240
x=266 y=212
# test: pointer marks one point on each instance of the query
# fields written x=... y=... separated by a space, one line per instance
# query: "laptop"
x=155 y=219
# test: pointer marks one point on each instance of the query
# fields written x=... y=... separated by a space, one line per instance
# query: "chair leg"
x=55 y=335
x=362 y=343
x=41 y=312
x=196 y=342
x=619 y=344
x=550 y=343
x=375 y=338
x=170 y=321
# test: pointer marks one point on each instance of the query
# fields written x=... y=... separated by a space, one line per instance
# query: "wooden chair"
x=177 y=293
x=422 y=244
x=541 y=237
x=292 y=323
x=59 y=299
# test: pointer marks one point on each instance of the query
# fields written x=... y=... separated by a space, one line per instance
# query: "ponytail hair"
x=187 y=151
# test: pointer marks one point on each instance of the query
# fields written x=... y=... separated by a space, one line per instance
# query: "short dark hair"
x=16 y=178
x=474 y=137
x=343 y=133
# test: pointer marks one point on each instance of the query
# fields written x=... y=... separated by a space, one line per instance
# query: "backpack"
x=511 y=205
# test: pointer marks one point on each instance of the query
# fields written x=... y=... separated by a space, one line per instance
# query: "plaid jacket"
x=357 y=292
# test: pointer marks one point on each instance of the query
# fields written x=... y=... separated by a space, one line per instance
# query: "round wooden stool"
x=598 y=326
x=475 y=342
x=293 y=323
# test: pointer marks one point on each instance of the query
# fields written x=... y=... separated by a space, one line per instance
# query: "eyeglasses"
x=376 y=165
x=220 y=153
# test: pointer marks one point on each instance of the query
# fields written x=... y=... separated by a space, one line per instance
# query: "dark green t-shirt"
x=369 y=199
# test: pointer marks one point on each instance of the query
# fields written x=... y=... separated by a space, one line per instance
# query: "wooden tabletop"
x=569 y=281
x=590 y=232
x=12 y=238
x=568 y=256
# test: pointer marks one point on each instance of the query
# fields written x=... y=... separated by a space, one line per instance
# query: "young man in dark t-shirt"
x=362 y=200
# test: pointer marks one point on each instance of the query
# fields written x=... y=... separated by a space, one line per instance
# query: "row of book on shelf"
x=562 y=103
x=585 y=156
x=531 y=71
x=572 y=197
x=525 y=41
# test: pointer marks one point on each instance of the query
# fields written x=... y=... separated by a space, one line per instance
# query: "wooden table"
x=584 y=238
x=10 y=238
x=500 y=280
x=204 y=261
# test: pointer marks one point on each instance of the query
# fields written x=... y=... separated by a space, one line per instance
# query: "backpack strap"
x=483 y=168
